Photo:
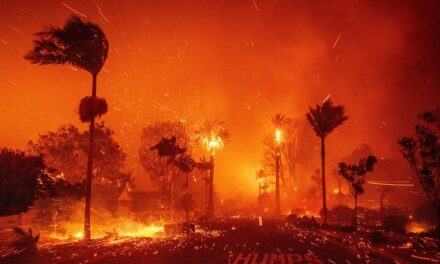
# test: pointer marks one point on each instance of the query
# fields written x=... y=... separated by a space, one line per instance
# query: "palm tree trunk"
x=259 y=195
x=324 y=199
x=89 y=170
x=438 y=227
x=277 y=183
x=206 y=198
x=211 y=189
x=355 y=211
x=187 y=200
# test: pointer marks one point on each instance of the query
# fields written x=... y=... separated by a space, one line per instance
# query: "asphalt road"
x=235 y=241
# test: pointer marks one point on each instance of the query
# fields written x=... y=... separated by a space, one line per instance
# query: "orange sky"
x=240 y=61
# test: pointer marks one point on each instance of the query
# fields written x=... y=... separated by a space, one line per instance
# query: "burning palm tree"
x=83 y=45
x=213 y=135
x=324 y=119
x=278 y=121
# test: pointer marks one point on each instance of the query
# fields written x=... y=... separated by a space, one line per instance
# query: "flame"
x=213 y=143
x=278 y=136
x=416 y=228
x=122 y=227
x=78 y=235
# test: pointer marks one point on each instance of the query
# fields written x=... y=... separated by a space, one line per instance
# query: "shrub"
x=396 y=223
x=26 y=241
x=377 y=237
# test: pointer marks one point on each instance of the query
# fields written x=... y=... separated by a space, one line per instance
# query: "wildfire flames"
x=213 y=143
x=122 y=227
x=416 y=228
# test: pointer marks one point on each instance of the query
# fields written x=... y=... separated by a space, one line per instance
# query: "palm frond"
x=326 y=117
x=80 y=44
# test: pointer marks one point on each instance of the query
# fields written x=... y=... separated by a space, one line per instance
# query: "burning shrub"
x=396 y=223
x=91 y=107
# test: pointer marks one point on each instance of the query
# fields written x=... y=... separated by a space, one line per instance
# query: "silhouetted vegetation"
x=396 y=223
x=23 y=179
x=186 y=164
x=26 y=240
x=65 y=150
x=158 y=166
x=212 y=135
x=324 y=119
x=355 y=177
x=82 y=45
x=422 y=152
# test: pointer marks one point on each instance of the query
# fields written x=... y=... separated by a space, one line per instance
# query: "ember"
x=250 y=131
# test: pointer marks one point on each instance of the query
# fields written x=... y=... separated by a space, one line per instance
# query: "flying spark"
x=73 y=10
x=337 y=40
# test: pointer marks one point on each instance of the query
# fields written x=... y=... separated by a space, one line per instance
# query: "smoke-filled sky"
x=239 y=61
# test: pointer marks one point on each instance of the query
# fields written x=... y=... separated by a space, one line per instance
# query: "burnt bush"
x=377 y=237
x=341 y=214
x=396 y=223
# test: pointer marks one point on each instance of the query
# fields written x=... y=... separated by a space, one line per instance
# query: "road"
x=235 y=241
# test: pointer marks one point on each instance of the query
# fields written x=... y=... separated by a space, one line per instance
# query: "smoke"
x=189 y=61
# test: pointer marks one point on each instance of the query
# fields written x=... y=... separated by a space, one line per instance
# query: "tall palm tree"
x=213 y=134
x=83 y=45
x=324 y=119
x=278 y=120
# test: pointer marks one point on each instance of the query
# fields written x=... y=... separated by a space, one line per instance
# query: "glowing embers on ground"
x=120 y=227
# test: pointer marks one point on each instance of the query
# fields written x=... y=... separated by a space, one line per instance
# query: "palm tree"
x=213 y=135
x=278 y=120
x=83 y=45
x=324 y=119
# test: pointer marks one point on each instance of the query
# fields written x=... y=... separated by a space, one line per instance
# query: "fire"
x=416 y=228
x=278 y=136
x=213 y=143
x=122 y=227
x=335 y=191
x=78 y=235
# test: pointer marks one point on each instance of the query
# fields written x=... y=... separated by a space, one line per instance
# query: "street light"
x=212 y=144
x=278 y=139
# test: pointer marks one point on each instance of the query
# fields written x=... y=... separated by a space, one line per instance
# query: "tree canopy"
x=422 y=152
x=326 y=117
x=23 y=179
x=65 y=150
x=80 y=44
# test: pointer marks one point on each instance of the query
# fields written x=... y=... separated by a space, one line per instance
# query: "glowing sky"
x=240 y=61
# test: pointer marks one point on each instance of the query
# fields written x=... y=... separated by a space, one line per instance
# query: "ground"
x=231 y=241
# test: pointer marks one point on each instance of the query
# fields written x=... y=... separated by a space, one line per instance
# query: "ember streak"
x=237 y=132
